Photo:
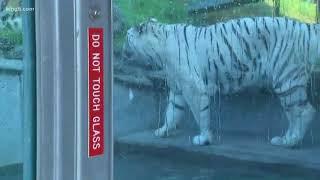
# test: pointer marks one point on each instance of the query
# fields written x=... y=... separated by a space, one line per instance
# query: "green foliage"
x=7 y=33
x=175 y=11
x=298 y=9
x=14 y=3
x=137 y=11
x=245 y=10
x=167 y=11
x=12 y=36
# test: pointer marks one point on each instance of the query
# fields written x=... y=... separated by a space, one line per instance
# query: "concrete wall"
x=250 y=113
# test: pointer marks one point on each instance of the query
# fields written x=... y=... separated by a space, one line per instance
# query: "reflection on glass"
x=10 y=30
x=11 y=121
x=180 y=68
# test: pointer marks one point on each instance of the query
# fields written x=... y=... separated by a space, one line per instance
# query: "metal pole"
x=276 y=7
x=29 y=93
x=88 y=15
x=318 y=11
x=55 y=67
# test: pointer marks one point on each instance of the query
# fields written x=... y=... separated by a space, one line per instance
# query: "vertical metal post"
x=29 y=93
x=93 y=14
x=318 y=11
x=56 y=66
x=276 y=7
x=62 y=89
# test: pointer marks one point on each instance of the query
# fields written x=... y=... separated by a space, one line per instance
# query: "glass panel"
x=11 y=30
x=13 y=89
x=225 y=89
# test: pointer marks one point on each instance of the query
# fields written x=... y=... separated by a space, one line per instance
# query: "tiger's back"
x=250 y=51
x=226 y=57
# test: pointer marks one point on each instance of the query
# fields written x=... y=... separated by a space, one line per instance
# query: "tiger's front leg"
x=174 y=113
x=203 y=120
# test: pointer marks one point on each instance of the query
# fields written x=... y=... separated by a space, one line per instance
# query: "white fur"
x=185 y=71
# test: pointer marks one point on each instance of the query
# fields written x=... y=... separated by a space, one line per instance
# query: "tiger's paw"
x=161 y=132
x=202 y=139
x=285 y=141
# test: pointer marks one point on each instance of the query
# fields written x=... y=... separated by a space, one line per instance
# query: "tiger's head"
x=144 y=44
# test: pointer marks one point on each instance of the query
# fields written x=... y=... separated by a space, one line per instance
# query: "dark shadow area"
x=141 y=162
x=11 y=172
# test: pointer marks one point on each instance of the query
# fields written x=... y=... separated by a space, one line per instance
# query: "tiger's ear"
x=139 y=27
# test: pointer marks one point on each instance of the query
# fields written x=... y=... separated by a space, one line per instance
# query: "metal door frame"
x=318 y=11
x=61 y=41
x=29 y=93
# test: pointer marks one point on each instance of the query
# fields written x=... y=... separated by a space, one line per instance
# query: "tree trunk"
x=318 y=11
x=276 y=7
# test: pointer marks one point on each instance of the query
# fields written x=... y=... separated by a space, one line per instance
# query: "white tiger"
x=201 y=62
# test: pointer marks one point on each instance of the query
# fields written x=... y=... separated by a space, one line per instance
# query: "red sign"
x=95 y=92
